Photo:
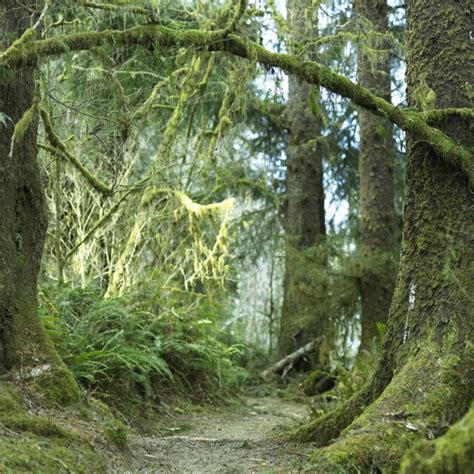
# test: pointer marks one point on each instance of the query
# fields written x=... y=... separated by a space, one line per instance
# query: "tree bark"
x=24 y=345
x=301 y=321
x=377 y=187
x=424 y=380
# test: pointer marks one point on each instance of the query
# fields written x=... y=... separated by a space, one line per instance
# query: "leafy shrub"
x=137 y=344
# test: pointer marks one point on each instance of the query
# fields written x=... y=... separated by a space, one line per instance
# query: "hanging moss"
x=22 y=125
x=221 y=40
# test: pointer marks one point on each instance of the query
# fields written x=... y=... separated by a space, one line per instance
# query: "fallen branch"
x=283 y=366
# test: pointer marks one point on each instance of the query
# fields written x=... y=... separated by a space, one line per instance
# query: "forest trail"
x=237 y=441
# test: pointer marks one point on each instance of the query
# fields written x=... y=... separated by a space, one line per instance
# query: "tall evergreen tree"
x=376 y=170
x=23 y=341
x=301 y=320
x=424 y=380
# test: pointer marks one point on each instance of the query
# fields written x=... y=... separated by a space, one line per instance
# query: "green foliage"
x=140 y=345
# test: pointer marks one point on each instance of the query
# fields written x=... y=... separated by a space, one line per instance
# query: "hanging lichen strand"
x=209 y=258
x=192 y=75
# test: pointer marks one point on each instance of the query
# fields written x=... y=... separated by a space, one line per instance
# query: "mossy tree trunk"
x=376 y=170
x=424 y=380
x=301 y=321
x=24 y=344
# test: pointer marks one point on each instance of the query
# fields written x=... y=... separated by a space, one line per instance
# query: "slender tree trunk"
x=424 y=380
x=305 y=226
x=377 y=189
x=23 y=342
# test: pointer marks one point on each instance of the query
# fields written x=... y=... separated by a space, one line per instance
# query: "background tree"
x=376 y=168
x=301 y=319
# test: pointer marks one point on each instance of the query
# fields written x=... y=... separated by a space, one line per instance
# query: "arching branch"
x=412 y=122
x=59 y=148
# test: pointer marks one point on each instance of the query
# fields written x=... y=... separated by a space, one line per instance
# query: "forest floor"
x=239 y=439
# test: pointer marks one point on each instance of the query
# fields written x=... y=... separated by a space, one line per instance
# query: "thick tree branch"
x=59 y=148
x=436 y=117
x=414 y=123
x=115 y=8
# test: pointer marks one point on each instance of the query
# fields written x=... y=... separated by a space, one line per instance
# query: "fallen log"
x=283 y=366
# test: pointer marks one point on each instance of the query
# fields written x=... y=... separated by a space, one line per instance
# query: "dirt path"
x=223 y=441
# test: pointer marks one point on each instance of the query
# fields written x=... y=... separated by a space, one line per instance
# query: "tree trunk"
x=424 y=380
x=304 y=220
x=24 y=345
x=377 y=189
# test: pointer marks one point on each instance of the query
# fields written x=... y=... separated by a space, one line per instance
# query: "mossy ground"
x=30 y=441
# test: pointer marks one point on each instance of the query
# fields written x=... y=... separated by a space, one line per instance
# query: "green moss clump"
x=453 y=452
x=34 y=424
x=8 y=401
x=36 y=444
x=20 y=453
x=57 y=388
x=117 y=433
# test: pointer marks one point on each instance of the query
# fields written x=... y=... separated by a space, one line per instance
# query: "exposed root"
x=453 y=452
x=421 y=401
x=329 y=426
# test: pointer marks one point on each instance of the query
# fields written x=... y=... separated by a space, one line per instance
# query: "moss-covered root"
x=328 y=427
x=324 y=429
x=453 y=452
x=421 y=401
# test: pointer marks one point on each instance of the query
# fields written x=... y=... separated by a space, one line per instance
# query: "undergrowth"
x=142 y=346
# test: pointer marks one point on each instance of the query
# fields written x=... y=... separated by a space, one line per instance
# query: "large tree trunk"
x=377 y=190
x=424 y=381
x=304 y=220
x=24 y=344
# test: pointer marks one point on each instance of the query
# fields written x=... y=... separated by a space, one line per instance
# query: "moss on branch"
x=59 y=148
x=414 y=123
